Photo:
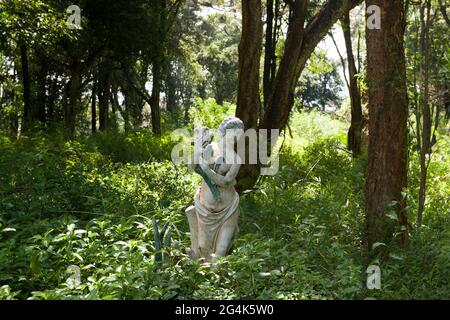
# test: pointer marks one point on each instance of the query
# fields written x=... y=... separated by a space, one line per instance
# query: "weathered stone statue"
x=213 y=220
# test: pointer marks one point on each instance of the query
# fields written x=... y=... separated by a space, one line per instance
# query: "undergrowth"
x=90 y=204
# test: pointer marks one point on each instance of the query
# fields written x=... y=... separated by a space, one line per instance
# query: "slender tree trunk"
x=51 y=101
x=94 y=107
x=104 y=92
x=115 y=105
x=355 y=131
x=27 y=108
x=171 y=94
x=447 y=101
x=160 y=9
x=126 y=118
x=155 y=98
x=269 y=53
x=73 y=106
x=42 y=91
x=388 y=115
x=425 y=147
x=276 y=28
x=13 y=117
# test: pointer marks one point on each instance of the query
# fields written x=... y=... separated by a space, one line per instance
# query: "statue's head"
x=231 y=128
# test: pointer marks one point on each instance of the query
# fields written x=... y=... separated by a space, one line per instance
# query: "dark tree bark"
x=115 y=105
x=72 y=107
x=160 y=7
x=425 y=142
x=269 y=55
x=41 y=100
x=171 y=93
x=447 y=101
x=248 y=103
x=51 y=100
x=13 y=117
x=355 y=131
x=27 y=108
x=276 y=29
x=104 y=94
x=388 y=115
x=126 y=118
x=94 y=107
x=155 y=98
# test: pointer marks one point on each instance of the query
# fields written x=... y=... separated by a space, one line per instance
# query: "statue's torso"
x=226 y=193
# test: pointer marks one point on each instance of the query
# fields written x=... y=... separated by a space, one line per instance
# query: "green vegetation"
x=90 y=203
x=92 y=95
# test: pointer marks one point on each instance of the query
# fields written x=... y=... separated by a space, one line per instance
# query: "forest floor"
x=88 y=205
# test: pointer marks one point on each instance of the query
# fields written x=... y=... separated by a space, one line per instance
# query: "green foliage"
x=32 y=22
x=307 y=127
x=132 y=147
x=220 y=35
x=86 y=204
x=320 y=84
x=209 y=113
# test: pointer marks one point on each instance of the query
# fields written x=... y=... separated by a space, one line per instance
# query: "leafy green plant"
x=121 y=222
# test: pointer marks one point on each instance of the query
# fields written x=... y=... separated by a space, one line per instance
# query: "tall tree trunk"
x=94 y=107
x=115 y=105
x=155 y=98
x=27 y=108
x=126 y=118
x=41 y=90
x=248 y=101
x=104 y=92
x=13 y=117
x=160 y=7
x=171 y=93
x=73 y=106
x=388 y=115
x=447 y=101
x=269 y=55
x=425 y=146
x=51 y=100
x=355 y=131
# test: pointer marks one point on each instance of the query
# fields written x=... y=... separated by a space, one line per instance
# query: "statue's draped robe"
x=209 y=223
